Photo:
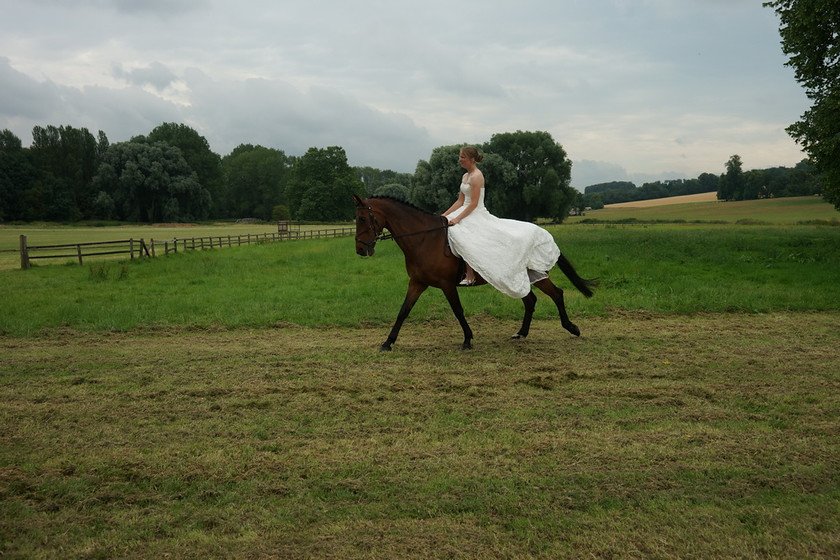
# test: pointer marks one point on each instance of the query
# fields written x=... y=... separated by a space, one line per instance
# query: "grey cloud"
x=21 y=97
x=155 y=74
x=276 y=114
x=651 y=85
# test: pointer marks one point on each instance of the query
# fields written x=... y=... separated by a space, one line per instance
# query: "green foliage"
x=196 y=151
x=526 y=175
x=809 y=31
x=66 y=159
x=375 y=179
x=255 y=180
x=394 y=190
x=539 y=185
x=17 y=174
x=732 y=182
x=280 y=212
x=322 y=186
x=437 y=181
x=151 y=182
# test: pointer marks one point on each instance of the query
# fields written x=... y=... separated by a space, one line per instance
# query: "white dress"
x=502 y=251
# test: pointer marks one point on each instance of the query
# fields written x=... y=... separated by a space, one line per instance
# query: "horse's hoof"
x=384 y=348
x=572 y=328
x=466 y=346
x=518 y=336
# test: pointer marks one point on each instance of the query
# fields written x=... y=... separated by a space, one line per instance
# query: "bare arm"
x=458 y=204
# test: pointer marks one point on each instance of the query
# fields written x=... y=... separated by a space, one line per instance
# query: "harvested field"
x=687 y=199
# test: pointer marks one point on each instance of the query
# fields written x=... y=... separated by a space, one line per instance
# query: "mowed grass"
x=232 y=404
x=651 y=436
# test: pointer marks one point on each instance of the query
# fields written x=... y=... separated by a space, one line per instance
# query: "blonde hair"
x=472 y=153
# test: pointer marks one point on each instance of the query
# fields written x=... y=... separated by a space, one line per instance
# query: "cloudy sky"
x=632 y=89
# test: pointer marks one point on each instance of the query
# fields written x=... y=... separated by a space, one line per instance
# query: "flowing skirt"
x=503 y=251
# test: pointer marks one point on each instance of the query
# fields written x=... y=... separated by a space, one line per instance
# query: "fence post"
x=79 y=253
x=24 y=253
x=131 y=248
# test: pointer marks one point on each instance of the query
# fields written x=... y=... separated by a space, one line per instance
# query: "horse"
x=422 y=237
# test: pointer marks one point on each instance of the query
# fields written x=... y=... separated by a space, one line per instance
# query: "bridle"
x=374 y=227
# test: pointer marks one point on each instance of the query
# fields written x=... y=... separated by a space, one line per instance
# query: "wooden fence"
x=138 y=248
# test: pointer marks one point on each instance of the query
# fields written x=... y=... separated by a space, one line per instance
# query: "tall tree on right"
x=731 y=184
x=810 y=30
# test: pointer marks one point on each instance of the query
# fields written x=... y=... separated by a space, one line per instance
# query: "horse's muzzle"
x=365 y=251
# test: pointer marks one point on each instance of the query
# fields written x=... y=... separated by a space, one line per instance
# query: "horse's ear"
x=358 y=200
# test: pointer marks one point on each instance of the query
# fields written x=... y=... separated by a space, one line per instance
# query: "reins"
x=372 y=224
x=390 y=235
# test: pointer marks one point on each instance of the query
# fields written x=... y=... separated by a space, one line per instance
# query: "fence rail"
x=138 y=248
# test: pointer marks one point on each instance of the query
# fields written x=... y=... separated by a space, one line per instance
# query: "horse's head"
x=367 y=227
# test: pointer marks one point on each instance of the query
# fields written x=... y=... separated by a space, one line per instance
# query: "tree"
x=542 y=176
x=394 y=190
x=255 y=180
x=197 y=153
x=436 y=182
x=16 y=176
x=322 y=186
x=612 y=192
x=150 y=182
x=526 y=174
x=708 y=182
x=374 y=179
x=67 y=159
x=731 y=185
x=810 y=30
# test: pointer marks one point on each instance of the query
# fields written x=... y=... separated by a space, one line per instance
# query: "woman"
x=502 y=251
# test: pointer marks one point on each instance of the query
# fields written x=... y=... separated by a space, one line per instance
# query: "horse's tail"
x=585 y=286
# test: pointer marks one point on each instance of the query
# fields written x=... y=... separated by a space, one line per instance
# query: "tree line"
x=172 y=175
x=733 y=184
x=169 y=175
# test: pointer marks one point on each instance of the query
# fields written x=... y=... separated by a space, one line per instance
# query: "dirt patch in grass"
x=649 y=436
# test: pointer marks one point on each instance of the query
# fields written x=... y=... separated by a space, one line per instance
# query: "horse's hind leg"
x=530 y=302
x=556 y=294
x=411 y=297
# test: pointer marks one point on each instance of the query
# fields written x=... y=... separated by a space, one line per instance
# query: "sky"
x=634 y=90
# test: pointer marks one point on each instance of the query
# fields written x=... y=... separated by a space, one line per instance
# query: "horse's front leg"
x=451 y=293
x=415 y=290
x=530 y=302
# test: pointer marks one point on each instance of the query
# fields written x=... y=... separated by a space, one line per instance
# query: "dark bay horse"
x=422 y=236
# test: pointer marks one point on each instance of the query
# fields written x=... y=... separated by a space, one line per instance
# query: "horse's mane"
x=404 y=203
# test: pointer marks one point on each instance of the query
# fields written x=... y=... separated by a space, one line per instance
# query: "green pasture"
x=779 y=211
x=666 y=269
x=231 y=403
x=53 y=234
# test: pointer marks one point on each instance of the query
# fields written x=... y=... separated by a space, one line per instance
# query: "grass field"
x=668 y=201
x=710 y=436
x=232 y=404
x=778 y=211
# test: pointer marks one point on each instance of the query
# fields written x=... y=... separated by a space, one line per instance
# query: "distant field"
x=775 y=211
x=702 y=197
